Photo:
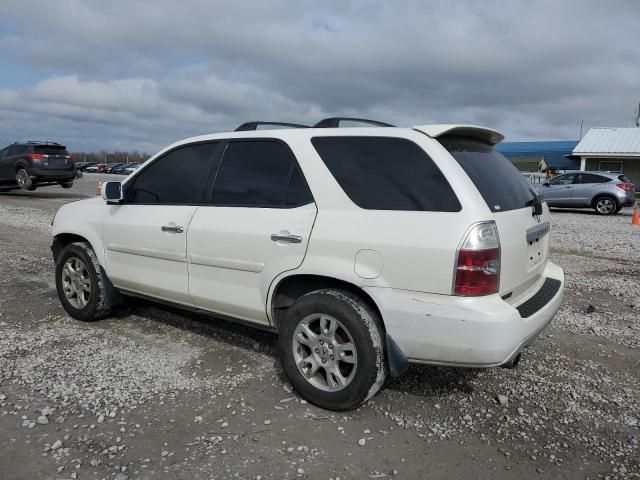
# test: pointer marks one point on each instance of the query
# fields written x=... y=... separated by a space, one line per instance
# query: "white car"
x=365 y=248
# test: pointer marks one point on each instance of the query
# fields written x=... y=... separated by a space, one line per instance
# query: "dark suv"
x=34 y=164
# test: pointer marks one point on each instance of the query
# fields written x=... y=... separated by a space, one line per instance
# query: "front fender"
x=83 y=219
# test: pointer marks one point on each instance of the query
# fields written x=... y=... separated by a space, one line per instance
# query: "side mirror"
x=546 y=184
x=112 y=192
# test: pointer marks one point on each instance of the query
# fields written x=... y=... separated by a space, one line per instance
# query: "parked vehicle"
x=121 y=168
x=132 y=168
x=364 y=248
x=84 y=165
x=33 y=164
x=93 y=168
x=607 y=193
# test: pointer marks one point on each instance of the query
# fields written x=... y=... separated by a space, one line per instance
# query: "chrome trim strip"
x=228 y=263
x=537 y=232
x=148 y=252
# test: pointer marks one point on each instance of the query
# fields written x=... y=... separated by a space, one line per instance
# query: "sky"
x=136 y=75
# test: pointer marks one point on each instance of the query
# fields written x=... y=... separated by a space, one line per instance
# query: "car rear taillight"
x=629 y=187
x=478 y=261
x=37 y=156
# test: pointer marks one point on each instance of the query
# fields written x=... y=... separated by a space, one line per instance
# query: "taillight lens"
x=629 y=187
x=37 y=156
x=478 y=263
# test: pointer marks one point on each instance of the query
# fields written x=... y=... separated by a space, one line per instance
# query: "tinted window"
x=15 y=150
x=591 y=178
x=386 y=173
x=177 y=178
x=499 y=182
x=253 y=173
x=563 y=179
x=51 y=150
x=297 y=193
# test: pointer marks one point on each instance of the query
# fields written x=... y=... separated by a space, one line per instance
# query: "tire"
x=355 y=373
x=87 y=294
x=66 y=184
x=23 y=180
x=605 y=205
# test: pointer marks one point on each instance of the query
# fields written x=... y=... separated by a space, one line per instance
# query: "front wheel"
x=331 y=348
x=83 y=287
x=606 y=206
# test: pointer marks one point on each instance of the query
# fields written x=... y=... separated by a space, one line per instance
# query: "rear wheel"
x=331 y=349
x=23 y=180
x=605 y=206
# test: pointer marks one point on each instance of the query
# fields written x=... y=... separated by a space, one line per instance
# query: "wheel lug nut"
x=317 y=350
x=324 y=360
x=330 y=345
x=331 y=357
x=321 y=342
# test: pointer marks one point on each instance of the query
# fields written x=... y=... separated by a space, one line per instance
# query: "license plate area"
x=53 y=162
x=536 y=238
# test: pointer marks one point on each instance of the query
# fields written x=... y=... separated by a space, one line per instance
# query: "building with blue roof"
x=529 y=155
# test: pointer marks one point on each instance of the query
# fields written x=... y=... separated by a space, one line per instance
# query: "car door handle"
x=278 y=237
x=172 y=228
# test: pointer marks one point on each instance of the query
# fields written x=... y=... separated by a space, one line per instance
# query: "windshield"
x=500 y=183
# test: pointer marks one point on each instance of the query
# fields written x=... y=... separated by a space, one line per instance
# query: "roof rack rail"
x=334 y=122
x=40 y=142
x=254 y=125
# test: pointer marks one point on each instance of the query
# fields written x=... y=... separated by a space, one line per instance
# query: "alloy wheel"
x=605 y=206
x=324 y=352
x=76 y=282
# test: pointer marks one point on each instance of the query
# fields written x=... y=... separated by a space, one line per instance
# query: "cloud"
x=126 y=75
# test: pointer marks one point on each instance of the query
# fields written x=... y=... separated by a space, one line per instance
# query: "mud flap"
x=396 y=360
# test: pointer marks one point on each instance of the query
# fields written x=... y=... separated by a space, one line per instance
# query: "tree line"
x=110 y=157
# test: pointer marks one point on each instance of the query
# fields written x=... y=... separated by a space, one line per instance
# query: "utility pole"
x=581 y=123
x=638 y=116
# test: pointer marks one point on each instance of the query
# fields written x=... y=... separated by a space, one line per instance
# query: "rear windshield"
x=624 y=179
x=500 y=183
x=51 y=150
x=386 y=173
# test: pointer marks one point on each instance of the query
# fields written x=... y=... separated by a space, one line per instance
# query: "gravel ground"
x=155 y=393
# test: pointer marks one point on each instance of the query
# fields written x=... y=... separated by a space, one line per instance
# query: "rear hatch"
x=523 y=224
x=56 y=157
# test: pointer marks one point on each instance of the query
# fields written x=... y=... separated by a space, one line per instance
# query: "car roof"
x=484 y=134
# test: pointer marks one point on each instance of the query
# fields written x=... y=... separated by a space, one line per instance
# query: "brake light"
x=478 y=262
x=626 y=186
x=37 y=156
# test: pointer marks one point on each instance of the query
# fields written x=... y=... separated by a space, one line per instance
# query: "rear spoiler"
x=483 y=134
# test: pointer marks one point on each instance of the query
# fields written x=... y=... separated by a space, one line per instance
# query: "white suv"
x=365 y=248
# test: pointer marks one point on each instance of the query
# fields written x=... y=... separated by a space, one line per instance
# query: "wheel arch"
x=61 y=240
x=290 y=288
x=604 y=195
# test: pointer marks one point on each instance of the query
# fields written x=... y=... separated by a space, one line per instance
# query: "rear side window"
x=260 y=173
x=177 y=178
x=591 y=178
x=386 y=173
x=17 y=150
x=50 y=150
x=499 y=182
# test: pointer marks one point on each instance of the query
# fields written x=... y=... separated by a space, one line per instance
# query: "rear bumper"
x=464 y=331
x=629 y=200
x=46 y=175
